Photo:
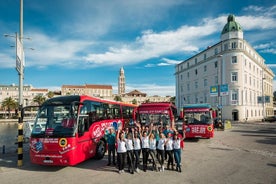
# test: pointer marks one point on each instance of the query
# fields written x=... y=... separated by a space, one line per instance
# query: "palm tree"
x=39 y=99
x=9 y=104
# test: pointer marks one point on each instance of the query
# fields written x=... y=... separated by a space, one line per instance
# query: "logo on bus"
x=38 y=146
x=63 y=142
x=209 y=128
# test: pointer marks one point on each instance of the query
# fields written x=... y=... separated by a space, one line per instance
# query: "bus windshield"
x=198 y=117
x=156 y=119
x=55 y=120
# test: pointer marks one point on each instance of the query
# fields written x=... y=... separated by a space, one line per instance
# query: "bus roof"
x=193 y=106
x=155 y=107
x=68 y=99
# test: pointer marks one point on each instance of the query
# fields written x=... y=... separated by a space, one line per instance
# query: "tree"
x=117 y=98
x=50 y=94
x=172 y=99
x=134 y=101
x=274 y=96
x=9 y=104
x=39 y=99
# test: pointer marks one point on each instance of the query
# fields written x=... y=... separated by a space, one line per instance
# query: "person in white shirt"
x=121 y=150
x=136 y=149
x=130 y=154
x=161 y=150
x=169 y=151
x=177 y=141
x=152 y=150
x=145 y=148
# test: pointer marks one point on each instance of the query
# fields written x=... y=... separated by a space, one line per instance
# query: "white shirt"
x=176 y=144
x=152 y=144
x=169 y=144
x=145 y=142
x=121 y=146
x=137 y=143
x=161 y=144
x=129 y=144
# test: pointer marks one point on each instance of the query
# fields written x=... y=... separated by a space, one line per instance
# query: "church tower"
x=121 y=82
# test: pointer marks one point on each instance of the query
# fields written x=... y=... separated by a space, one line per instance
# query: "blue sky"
x=81 y=42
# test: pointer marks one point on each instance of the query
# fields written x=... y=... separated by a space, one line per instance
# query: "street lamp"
x=20 y=64
x=263 y=98
x=219 y=73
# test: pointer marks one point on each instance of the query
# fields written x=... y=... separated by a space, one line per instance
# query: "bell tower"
x=121 y=82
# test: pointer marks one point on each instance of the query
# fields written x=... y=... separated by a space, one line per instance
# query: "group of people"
x=157 y=144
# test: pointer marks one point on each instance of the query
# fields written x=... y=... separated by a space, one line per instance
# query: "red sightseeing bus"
x=198 y=121
x=70 y=129
x=156 y=113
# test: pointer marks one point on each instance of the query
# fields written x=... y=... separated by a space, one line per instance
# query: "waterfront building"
x=29 y=92
x=230 y=75
x=87 y=89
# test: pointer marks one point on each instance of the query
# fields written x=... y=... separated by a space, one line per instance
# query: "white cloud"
x=7 y=61
x=150 y=44
x=256 y=22
x=271 y=65
x=51 y=51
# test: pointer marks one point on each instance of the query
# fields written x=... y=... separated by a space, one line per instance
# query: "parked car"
x=270 y=119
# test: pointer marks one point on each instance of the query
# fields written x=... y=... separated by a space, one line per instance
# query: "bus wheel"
x=101 y=148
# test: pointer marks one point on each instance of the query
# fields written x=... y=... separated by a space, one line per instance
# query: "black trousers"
x=130 y=160
x=160 y=156
x=137 y=158
x=145 y=152
x=121 y=160
x=111 y=151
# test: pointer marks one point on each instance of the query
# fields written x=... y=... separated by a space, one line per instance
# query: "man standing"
x=110 y=137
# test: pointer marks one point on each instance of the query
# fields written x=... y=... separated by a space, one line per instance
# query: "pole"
x=219 y=94
x=263 y=99
x=20 y=73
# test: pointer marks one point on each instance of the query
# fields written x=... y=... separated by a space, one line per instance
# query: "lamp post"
x=20 y=59
x=263 y=98
x=219 y=73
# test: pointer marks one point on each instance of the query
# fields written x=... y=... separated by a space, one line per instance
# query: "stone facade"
x=232 y=62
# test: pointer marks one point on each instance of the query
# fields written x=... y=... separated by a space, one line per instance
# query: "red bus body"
x=154 y=112
x=71 y=129
x=158 y=113
x=198 y=121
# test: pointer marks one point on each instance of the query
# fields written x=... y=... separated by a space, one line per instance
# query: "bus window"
x=83 y=124
x=127 y=112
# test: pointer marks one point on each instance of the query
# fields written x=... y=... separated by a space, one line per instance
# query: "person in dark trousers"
x=169 y=151
x=161 y=151
x=130 y=154
x=152 y=151
x=121 y=150
x=137 y=149
x=145 y=147
x=110 y=137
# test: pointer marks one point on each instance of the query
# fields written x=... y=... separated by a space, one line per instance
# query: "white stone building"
x=87 y=89
x=231 y=63
x=29 y=92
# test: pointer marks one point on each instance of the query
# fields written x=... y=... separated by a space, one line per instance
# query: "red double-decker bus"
x=198 y=121
x=70 y=129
